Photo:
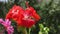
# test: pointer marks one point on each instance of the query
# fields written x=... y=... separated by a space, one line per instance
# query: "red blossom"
x=14 y=12
x=25 y=18
x=32 y=12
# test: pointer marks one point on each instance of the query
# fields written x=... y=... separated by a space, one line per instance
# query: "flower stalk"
x=25 y=31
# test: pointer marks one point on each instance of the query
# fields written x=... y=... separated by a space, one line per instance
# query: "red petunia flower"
x=25 y=18
x=14 y=12
x=32 y=12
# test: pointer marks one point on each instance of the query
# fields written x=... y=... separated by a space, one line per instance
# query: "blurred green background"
x=49 y=10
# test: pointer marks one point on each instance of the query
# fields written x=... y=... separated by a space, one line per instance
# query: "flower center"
x=28 y=17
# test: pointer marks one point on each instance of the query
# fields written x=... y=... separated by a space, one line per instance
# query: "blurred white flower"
x=5 y=1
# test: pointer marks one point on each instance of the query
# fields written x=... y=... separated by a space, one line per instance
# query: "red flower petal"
x=14 y=12
x=27 y=23
x=32 y=12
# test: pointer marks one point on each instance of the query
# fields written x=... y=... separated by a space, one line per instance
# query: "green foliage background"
x=49 y=10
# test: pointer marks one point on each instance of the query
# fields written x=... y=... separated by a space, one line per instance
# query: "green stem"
x=25 y=31
x=29 y=30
